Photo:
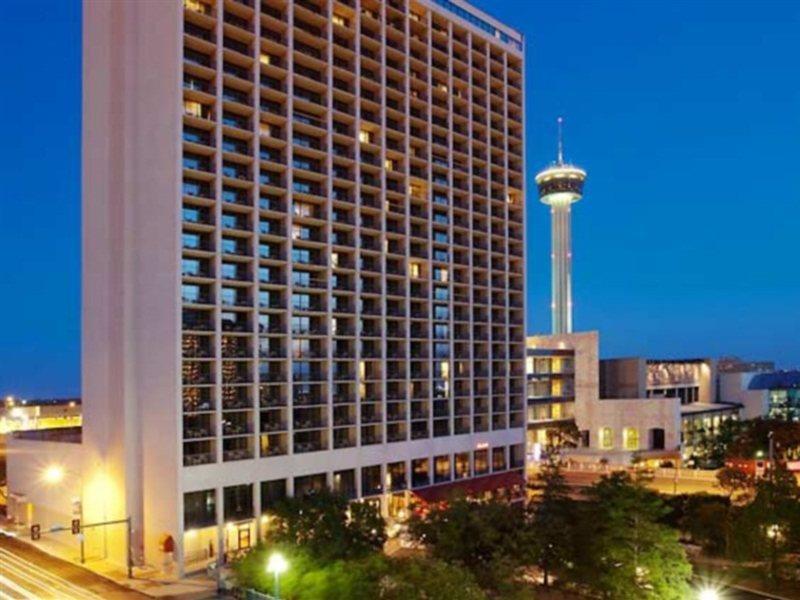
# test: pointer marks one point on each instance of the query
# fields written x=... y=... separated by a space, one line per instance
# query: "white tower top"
x=560 y=185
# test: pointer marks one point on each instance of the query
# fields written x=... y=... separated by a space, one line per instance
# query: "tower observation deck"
x=560 y=185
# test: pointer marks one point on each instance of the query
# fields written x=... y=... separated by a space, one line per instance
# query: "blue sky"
x=685 y=114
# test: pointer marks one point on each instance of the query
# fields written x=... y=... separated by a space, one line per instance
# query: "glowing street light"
x=53 y=474
x=276 y=565
x=708 y=594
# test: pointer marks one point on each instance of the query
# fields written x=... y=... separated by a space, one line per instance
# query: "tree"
x=698 y=517
x=427 y=579
x=769 y=526
x=552 y=521
x=736 y=482
x=564 y=434
x=490 y=539
x=374 y=576
x=631 y=554
x=328 y=527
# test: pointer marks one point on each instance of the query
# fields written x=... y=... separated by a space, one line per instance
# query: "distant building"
x=771 y=394
x=564 y=384
x=692 y=381
x=42 y=413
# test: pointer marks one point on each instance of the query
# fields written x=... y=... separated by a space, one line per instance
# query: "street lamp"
x=708 y=594
x=276 y=565
x=53 y=474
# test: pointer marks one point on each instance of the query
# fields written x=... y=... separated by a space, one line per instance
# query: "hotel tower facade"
x=303 y=259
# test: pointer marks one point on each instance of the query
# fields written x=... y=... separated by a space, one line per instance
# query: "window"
x=461 y=465
x=498 y=459
x=190 y=266
x=238 y=501
x=606 y=438
x=344 y=483
x=272 y=492
x=229 y=296
x=441 y=312
x=301 y=301
x=365 y=136
x=309 y=484
x=440 y=274
x=420 y=472
x=414 y=269
x=371 y=483
x=301 y=324
x=441 y=468
x=630 y=438
x=481 y=462
x=199 y=509
x=396 y=476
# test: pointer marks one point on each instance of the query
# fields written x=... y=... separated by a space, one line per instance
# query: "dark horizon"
x=684 y=116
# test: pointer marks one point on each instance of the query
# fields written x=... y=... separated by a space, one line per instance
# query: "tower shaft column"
x=561 y=256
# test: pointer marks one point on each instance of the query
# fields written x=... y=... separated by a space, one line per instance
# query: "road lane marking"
x=8 y=583
x=39 y=577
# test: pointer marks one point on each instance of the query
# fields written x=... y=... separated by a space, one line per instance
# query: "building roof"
x=707 y=407
x=776 y=380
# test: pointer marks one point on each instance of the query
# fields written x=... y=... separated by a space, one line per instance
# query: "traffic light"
x=36 y=532
x=76 y=526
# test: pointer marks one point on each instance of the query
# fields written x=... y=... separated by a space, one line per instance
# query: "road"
x=30 y=574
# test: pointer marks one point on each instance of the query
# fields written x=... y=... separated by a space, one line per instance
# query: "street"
x=30 y=574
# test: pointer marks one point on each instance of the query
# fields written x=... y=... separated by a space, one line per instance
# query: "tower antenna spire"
x=560 y=121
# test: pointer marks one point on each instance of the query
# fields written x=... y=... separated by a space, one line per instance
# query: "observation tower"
x=560 y=185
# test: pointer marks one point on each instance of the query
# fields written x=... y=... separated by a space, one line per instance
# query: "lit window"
x=339 y=20
x=365 y=136
x=389 y=164
x=630 y=438
x=556 y=411
x=265 y=59
x=606 y=438
x=414 y=269
x=192 y=108
x=197 y=6
x=265 y=129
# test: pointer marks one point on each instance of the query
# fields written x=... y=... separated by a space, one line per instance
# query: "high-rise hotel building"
x=303 y=258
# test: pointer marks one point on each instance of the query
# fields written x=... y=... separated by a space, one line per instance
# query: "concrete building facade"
x=303 y=258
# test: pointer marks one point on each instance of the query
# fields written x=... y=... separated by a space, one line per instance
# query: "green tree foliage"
x=738 y=484
x=490 y=539
x=552 y=522
x=374 y=576
x=564 y=434
x=702 y=518
x=630 y=553
x=769 y=526
x=328 y=527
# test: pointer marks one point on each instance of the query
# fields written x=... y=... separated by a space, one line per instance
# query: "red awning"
x=471 y=487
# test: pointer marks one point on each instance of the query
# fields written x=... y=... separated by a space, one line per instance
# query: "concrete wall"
x=642 y=414
x=623 y=378
x=131 y=158
x=51 y=503
x=733 y=389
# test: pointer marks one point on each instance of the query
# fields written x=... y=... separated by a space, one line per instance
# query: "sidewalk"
x=146 y=580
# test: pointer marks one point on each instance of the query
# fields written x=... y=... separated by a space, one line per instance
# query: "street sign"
x=76 y=526
x=36 y=532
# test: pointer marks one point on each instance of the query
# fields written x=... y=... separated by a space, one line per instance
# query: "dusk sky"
x=686 y=116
